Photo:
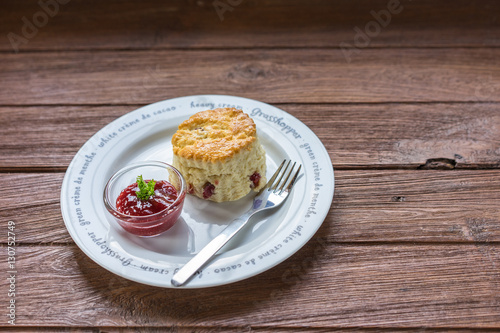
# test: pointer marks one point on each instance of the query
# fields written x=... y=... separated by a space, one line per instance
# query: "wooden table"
x=404 y=95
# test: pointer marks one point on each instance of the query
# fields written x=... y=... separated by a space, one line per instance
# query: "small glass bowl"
x=148 y=225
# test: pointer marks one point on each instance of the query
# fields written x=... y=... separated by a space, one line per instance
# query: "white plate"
x=145 y=134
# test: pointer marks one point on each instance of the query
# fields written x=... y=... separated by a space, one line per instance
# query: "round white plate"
x=145 y=134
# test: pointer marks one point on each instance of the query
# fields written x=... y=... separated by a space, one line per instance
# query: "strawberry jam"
x=152 y=216
x=128 y=203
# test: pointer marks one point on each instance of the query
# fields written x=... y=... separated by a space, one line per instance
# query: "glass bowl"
x=145 y=225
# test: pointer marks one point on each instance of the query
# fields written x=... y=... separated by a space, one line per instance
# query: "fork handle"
x=193 y=265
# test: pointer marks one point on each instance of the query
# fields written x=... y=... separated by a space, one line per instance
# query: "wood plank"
x=49 y=137
x=208 y=329
x=273 y=76
x=325 y=285
x=356 y=136
x=113 y=24
x=184 y=329
x=458 y=206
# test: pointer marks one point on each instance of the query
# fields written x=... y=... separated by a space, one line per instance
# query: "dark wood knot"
x=439 y=164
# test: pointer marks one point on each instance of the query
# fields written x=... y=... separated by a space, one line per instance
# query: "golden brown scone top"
x=214 y=135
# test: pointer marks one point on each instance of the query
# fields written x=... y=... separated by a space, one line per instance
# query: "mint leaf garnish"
x=145 y=189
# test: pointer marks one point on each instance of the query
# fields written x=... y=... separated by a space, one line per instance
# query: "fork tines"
x=275 y=186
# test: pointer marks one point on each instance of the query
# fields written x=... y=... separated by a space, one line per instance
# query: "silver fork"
x=271 y=196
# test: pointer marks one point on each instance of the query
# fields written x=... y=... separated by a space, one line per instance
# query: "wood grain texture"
x=273 y=76
x=81 y=25
x=187 y=329
x=409 y=113
x=325 y=285
x=356 y=136
x=368 y=206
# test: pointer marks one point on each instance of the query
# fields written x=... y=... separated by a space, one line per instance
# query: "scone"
x=218 y=153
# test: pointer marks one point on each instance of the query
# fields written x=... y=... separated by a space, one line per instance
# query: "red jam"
x=128 y=203
x=161 y=218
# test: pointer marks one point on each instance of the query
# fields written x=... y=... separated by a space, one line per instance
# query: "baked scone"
x=218 y=153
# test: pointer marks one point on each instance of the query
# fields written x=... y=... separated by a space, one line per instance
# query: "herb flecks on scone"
x=219 y=154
